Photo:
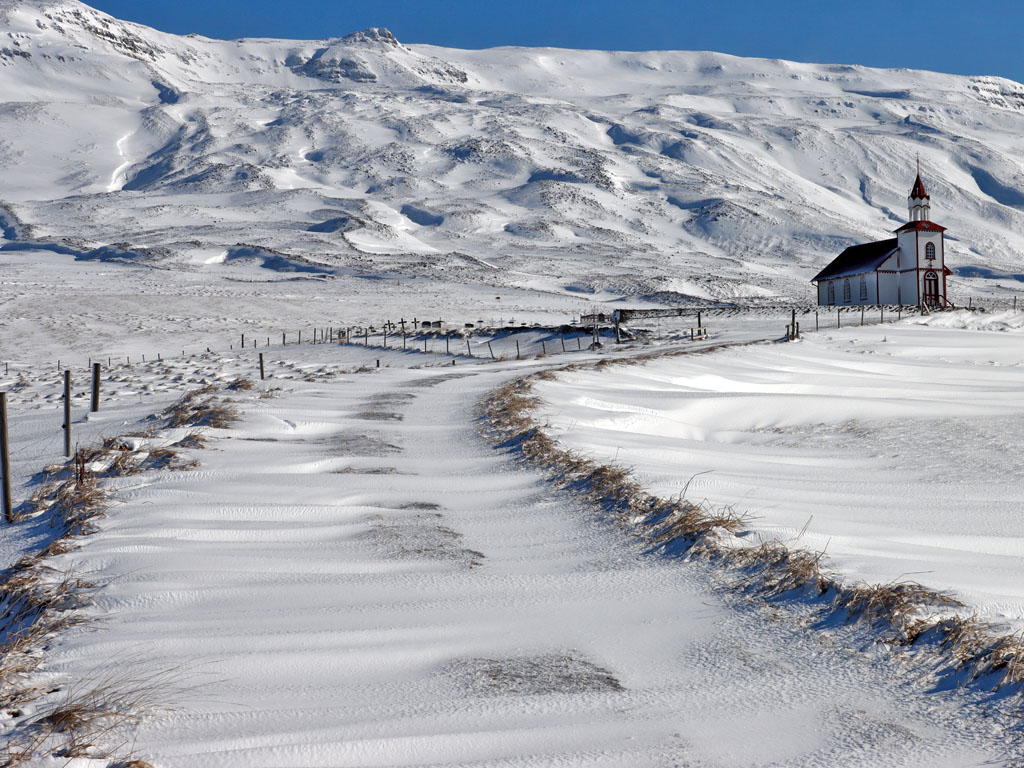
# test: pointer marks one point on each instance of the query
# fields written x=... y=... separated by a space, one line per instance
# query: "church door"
x=931 y=288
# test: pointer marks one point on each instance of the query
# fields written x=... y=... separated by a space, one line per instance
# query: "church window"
x=831 y=292
x=929 y=251
x=863 y=289
x=846 y=291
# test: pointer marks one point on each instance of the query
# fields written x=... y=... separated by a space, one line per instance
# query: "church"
x=907 y=269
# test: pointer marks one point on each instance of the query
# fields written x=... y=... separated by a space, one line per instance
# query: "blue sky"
x=978 y=37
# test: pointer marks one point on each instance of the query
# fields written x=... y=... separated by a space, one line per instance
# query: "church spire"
x=920 y=207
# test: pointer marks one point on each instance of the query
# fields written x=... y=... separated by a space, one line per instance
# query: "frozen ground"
x=895 y=449
x=354 y=577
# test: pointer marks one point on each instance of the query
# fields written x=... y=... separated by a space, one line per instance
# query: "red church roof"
x=917 y=192
x=928 y=226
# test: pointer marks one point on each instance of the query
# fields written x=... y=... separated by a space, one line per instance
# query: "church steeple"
x=920 y=207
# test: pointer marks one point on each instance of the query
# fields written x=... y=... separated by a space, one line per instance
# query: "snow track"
x=353 y=577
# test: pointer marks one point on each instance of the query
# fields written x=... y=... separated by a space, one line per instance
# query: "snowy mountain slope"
x=677 y=173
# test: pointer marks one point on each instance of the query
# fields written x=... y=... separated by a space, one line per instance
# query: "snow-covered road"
x=355 y=577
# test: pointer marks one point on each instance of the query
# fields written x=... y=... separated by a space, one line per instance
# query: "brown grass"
x=241 y=384
x=200 y=408
x=193 y=439
x=90 y=713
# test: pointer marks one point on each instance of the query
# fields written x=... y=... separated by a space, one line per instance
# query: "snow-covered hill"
x=661 y=174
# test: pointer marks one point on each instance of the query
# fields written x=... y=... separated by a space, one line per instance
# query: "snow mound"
x=1009 y=321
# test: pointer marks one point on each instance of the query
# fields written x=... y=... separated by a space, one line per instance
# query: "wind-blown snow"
x=893 y=449
x=353 y=578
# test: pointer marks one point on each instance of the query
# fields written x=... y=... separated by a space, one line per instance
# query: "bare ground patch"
x=369 y=443
x=533 y=676
x=436 y=380
x=421 y=536
x=385 y=407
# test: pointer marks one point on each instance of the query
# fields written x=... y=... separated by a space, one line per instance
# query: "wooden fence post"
x=95 y=387
x=469 y=349
x=517 y=349
x=67 y=413
x=839 y=318
x=262 y=376
x=491 y=350
x=5 y=460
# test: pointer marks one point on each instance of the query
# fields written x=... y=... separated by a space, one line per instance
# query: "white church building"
x=908 y=269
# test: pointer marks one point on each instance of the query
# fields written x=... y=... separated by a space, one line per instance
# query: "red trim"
x=929 y=226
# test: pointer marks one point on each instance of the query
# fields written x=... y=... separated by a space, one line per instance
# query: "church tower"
x=919 y=202
x=921 y=260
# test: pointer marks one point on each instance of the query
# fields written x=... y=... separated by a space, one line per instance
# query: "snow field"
x=353 y=577
x=894 y=449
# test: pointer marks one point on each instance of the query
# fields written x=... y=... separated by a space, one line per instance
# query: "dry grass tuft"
x=896 y=604
x=192 y=440
x=88 y=714
x=199 y=408
x=168 y=459
x=125 y=462
x=241 y=384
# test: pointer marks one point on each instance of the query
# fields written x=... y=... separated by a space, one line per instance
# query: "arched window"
x=846 y=291
x=929 y=251
x=831 y=292
x=863 y=289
